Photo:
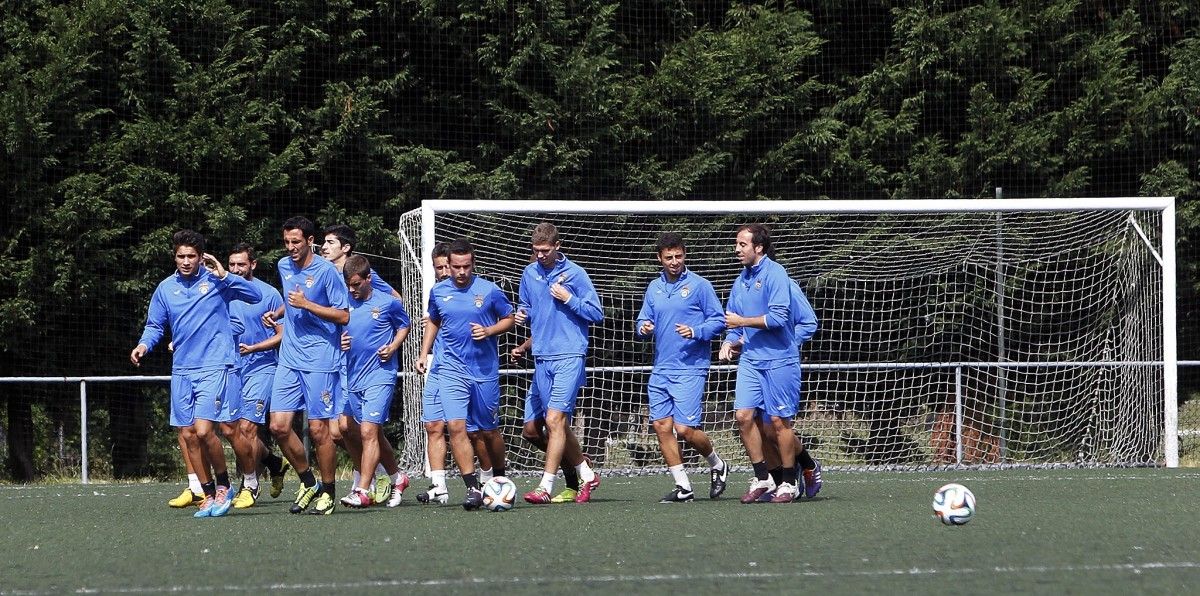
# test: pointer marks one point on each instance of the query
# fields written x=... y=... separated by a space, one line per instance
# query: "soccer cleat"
x=358 y=499
x=205 y=508
x=433 y=495
x=757 y=489
x=187 y=498
x=679 y=495
x=324 y=504
x=277 y=481
x=812 y=481
x=398 y=491
x=222 y=503
x=586 y=488
x=717 y=484
x=785 y=493
x=538 y=496
x=304 y=496
x=382 y=489
x=246 y=497
x=474 y=499
x=566 y=496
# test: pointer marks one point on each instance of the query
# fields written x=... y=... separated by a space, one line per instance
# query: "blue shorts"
x=343 y=404
x=774 y=391
x=317 y=393
x=533 y=401
x=372 y=404
x=677 y=396
x=256 y=395
x=231 y=405
x=558 y=383
x=198 y=394
x=431 y=399
x=475 y=401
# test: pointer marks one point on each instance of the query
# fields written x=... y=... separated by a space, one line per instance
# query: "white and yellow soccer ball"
x=499 y=494
x=954 y=504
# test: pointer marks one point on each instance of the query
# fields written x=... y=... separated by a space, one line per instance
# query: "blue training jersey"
x=690 y=300
x=765 y=289
x=373 y=324
x=803 y=316
x=311 y=343
x=196 y=310
x=559 y=329
x=453 y=309
x=248 y=318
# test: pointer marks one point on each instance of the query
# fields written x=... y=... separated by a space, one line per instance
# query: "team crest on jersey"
x=686 y=291
x=204 y=287
x=260 y=408
x=327 y=399
x=375 y=312
x=309 y=281
x=478 y=301
x=758 y=284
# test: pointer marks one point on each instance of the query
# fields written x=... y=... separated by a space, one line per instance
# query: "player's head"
x=546 y=244
x=441 y=260
x=462 y=262
x=298 y=235
x=357 y=272
x=671 y=254
x=188 y=246
x=242 y=260
x=338 y=243
x=753 y=243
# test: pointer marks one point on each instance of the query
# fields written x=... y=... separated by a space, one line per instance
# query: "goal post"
x=952 y=332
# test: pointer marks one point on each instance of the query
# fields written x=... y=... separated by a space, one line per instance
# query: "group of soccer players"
x=245 y=357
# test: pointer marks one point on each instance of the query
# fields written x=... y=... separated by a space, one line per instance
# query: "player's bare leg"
x=718 y=471
x=495 y=451
x=194 y=493
x=464 y=455
x=747 y=422
x=435 y=449
x=785 y=443
x=664 y=429
x=482 y=454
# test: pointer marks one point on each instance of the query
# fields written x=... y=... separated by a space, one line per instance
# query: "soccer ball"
x=954 y=504
x=499 y=494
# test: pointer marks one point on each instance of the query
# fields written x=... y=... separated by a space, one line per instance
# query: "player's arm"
x=586 y=303
x=265 y=345
x=714 y=319
x=333 y=314
x=502 y=310
x=400 y=323
x=524 y=306
x=804 y=315
x=152 y=333
x=431 y=331
x=643 y=325
x=518 y=352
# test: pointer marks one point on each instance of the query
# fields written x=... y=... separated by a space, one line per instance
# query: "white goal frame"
x=1165 y=206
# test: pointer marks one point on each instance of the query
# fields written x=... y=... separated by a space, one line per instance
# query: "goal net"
x=1024 y=332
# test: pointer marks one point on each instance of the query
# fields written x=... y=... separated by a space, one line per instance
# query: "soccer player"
x=310 y=359
x=682 y=313
x=534 y=431
x=468 y=313
x=559 y=303
x=378 y=325
x=338 y=245
x=256 y=346
x=759 y=316
x=194 y=305
x=432 y=415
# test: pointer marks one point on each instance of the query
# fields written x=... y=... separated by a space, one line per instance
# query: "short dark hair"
x=670 y=240
x=760 y=235
x=304 y=224
x=344 y=234
x=545 y=233
x=441 y=249
x=356 y=265
x=190 y=238
x=246 y=248
x=461 y=247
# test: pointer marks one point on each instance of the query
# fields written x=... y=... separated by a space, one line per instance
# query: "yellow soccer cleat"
x=566 y=496
x=187 y=498
x=277 y=481
x=323 y=505
x=382 y=490
x=245 y=498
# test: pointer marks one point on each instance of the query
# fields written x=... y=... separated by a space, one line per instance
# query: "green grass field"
x=1050 y=531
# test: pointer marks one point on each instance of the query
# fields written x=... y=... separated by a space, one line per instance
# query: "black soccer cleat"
x=679 y=495
x=474 y=499
x=719 y=477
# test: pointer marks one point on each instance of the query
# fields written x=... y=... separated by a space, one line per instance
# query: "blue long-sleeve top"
x=692 y=301
x=764 y=289
x=559 y=329
x=196 y=310
x=803 y=315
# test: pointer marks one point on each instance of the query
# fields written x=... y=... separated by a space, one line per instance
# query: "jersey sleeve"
x=499 y=303
x=335 y=289
x=779 y=299
x=645 y=314
x=156 y=321
x=804 y=316
x=714 y=317
x=235 y=287
x=733 y=336
x=435 y=315
x=400 y=318
x=585 y=303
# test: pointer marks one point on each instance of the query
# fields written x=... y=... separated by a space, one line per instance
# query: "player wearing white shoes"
x=378 y=325
x=682 y=313
x=559 y=303
x=468 y=313
x=759 y=316
x=534 y=431
x=433 y=417
x=194 y=305
x=256 y=368
x=310 y=360
x=338 y=245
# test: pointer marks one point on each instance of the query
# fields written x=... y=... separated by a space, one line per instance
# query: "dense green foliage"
x=124 y=121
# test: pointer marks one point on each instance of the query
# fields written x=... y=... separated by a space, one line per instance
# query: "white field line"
x=1120 y=569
